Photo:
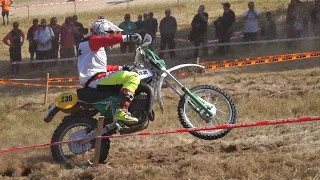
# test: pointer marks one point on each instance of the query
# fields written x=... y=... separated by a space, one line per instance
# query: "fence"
x=211 y=65
x=182 y=49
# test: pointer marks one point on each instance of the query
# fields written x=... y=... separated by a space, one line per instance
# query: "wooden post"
x=75 y=6
x=195 y=73
x=98 y=141
x=28 y=12
x=127 y=4
x=47 y=88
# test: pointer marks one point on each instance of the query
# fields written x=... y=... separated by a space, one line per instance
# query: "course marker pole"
x=195 y=73
x=28 y=12
x=47 y=88
x=75 y=6
x=98 y=141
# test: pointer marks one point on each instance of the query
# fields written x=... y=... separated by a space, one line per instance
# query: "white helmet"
x=103 y=27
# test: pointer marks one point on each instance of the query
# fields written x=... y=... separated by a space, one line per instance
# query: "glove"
x=126 y=68
x=135 y=38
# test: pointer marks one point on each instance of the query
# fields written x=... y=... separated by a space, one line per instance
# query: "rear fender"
x=79 y=108
x=52 y=111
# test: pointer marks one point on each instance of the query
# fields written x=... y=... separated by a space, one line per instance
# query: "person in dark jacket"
x=139 y=23
x=80 y=28
x=151 y=27
x=199 y=28
x=269 y=28
x=168 y=30
x=55 y=41
x=224 y=27
x=315 y=18
x=30 y=35
x=14 y=39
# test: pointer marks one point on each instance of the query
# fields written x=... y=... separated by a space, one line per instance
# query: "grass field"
x=271 y=91
x=274 y=152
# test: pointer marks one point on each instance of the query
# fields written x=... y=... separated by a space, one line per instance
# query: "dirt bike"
x=205 y=104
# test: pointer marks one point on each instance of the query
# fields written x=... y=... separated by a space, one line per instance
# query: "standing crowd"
x=50 y=41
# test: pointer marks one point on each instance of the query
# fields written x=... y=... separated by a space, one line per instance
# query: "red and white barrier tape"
x=35 y=79
x=49 y=4
x=184 y=130
x=182 y=49
x=237 y=35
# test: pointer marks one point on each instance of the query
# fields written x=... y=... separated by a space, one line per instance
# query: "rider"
x=92 y=67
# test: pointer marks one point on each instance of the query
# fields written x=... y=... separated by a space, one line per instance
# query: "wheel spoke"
x=221 y=111
x=218 y=119
x=218 y=102
x=215 y=102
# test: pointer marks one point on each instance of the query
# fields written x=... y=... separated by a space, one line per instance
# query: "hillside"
x=272 y=152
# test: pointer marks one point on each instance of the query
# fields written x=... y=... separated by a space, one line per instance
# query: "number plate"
x=66 y=100
x=144 y=73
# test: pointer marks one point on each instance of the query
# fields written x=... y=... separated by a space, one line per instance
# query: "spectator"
x=55 y=41
x=168 y=30
x=5 y=4
x=294 y=24
x=43 y=37
x=81 y=31
x=145 y=16
x=14 y=39
x=128 y=27
x=144 y=21
x=198 y=33
x=269 y=29
x=151 y=27
x=315 y=17
x=30 y=36
x=291 y=19
x=224 y=27
x=100 y=17
x=68 y=32
x=251 y=23
x=139 y=23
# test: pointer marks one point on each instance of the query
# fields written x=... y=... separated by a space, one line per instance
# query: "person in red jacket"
x=92 y=67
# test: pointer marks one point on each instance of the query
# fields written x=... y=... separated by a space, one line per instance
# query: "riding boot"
x=122 y=113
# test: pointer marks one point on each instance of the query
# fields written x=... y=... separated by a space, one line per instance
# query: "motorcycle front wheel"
x=225 y=112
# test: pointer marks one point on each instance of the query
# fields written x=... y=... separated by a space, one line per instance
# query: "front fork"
x=198 y=101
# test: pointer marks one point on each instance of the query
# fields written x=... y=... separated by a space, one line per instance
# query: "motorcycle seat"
x=91 y=95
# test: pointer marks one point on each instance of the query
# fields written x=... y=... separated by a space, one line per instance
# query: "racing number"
x=66 y=98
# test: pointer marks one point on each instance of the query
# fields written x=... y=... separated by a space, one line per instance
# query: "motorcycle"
x=205 y=104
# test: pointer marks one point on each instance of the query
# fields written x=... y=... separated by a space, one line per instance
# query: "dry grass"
x=274 y=152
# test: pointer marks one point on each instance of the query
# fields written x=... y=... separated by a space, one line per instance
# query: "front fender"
x=164 y=75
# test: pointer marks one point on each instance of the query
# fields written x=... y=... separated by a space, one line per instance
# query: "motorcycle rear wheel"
x=68 y=123
x=214 y=94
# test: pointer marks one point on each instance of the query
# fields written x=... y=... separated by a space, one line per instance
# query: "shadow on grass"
x=113 y=3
